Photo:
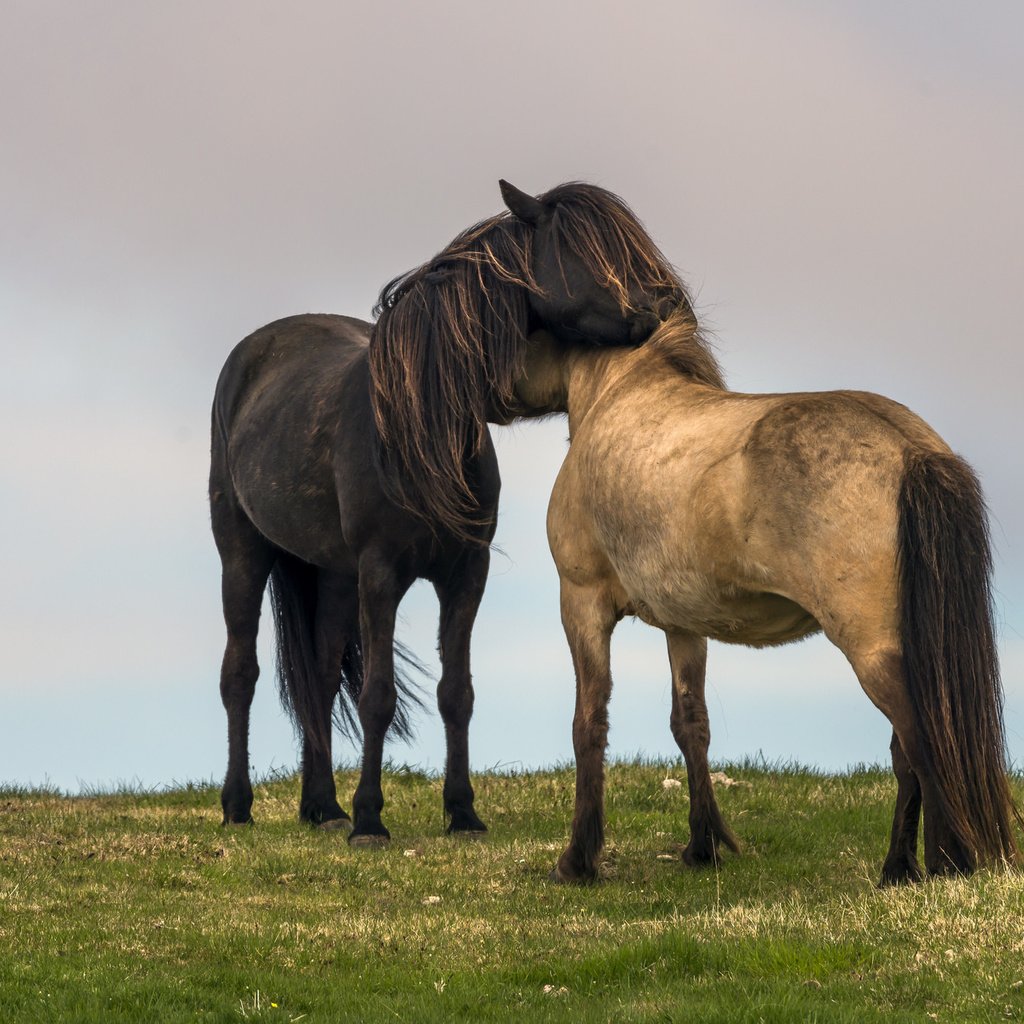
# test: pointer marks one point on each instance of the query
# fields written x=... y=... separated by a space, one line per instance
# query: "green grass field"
x=140 y=907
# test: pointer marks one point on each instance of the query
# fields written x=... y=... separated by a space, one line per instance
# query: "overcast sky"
x=839 y=182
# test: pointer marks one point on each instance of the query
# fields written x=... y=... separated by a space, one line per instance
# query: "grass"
x=138 y=906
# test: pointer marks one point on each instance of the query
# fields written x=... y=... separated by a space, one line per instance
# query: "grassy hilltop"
x=139 y=907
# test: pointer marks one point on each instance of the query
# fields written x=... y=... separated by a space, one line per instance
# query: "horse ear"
x=525 y=207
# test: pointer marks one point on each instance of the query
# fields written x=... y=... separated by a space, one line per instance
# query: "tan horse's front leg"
x=588 y=617
x=688 y=656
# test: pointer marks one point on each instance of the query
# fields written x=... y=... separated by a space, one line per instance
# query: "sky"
x=839 y=183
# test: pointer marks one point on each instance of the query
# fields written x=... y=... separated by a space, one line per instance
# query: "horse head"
x=599 y=278
x=451 y=335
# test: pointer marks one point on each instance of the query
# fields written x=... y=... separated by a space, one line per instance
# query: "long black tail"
x=293 y=599
x=949 y=650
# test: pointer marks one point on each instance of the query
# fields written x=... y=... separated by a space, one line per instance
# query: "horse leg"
x=336 y=618
x=246 y=561
x=459 y=597
x=901 y=862
x=881 y=676
x=689 y=721
x=380 y=590
x=588 y=617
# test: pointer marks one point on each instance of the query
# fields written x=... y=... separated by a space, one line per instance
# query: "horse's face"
x=574 y=306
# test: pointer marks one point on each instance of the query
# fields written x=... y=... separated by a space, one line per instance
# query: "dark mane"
x=444 y=351
x=450 y=337
x=680 y=342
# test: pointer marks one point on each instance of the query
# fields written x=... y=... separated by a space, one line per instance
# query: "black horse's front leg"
x=460 y=597
x=380 y=590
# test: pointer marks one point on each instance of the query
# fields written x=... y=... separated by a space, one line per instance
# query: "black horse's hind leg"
x=901 y=864
x=246 y=561
x=460 y=598
x=336 y=621
x=690 y=727
x=380 y=590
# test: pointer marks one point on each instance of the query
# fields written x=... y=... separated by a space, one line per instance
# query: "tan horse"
x=760 y=519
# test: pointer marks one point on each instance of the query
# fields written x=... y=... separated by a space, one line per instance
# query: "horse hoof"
x=248 y=823
x=900 y=871
x=471 y=834
x=368 y=841
x=557 y=878
x=335 y=825
x=699 y=860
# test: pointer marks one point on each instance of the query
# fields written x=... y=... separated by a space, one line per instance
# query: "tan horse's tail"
x=949 y=651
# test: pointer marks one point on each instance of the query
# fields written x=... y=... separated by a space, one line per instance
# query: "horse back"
x=295 y=445
x=724 y=513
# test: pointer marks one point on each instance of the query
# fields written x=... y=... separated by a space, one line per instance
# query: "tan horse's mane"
x=680 y=342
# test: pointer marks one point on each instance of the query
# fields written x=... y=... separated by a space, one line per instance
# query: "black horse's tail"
x=293 y=599
x=949 y=651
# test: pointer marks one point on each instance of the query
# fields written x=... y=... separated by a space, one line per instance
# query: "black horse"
x=350 y=459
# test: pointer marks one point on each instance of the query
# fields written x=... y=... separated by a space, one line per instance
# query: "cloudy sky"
x=839 y=182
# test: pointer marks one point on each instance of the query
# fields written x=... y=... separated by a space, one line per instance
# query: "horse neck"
x=571 y=379
x=589 y=372
x=559 y=378
x=680 y=363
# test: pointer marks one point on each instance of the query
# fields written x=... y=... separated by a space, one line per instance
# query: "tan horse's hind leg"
x=881 y=676
x=901 y=864
x=588 y=617
x=688 y=656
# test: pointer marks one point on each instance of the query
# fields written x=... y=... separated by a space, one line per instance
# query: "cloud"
x=840 y=184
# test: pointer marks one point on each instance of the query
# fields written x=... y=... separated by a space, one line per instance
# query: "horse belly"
x=700 y=605
x=697 y=575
